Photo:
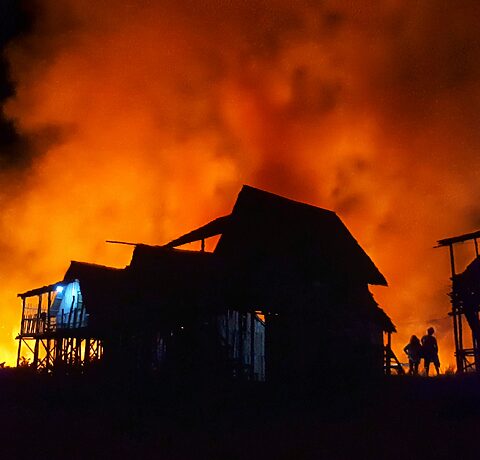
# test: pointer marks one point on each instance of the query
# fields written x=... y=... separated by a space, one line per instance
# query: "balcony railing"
x=34 y=323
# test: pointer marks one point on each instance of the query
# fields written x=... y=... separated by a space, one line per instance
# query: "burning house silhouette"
x=284 y=296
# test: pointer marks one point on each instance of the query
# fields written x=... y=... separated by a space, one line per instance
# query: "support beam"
x=252 y=346
x=22 y=321
x=457 y=318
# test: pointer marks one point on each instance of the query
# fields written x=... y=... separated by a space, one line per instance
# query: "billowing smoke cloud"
x=148 y=116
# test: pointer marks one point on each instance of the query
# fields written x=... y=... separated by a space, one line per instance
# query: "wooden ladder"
x=390 y=356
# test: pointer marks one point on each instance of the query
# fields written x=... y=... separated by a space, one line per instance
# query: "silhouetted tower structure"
x=465 y=301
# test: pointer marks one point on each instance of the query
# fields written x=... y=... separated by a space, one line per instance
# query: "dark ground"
x=80 y=417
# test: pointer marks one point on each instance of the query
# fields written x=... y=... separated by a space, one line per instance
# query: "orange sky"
x=146 y=117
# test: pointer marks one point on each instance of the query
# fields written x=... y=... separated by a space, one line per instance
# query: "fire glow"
x=147 y=117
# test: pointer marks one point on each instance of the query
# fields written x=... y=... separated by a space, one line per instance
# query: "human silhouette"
x=413 y=349
x=430 y=351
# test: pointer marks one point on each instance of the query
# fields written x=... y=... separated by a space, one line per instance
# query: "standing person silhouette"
x=413 y=349
x=430 y=351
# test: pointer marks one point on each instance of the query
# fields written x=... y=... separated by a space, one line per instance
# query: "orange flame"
x=161 y=110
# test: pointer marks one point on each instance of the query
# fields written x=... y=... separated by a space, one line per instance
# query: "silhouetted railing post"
x=22 y=328
x=37 y=332
x=252 y=346
x=388 y=361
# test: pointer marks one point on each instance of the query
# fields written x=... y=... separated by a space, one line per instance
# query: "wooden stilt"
x=22 y=327
x=388 y=357
x=252 y=345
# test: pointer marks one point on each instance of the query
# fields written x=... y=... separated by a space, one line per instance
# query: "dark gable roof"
x=164 y=259
x=86 y=270
x=104 y=291
x=168 y=271
x=267 y=227
x=169 y=281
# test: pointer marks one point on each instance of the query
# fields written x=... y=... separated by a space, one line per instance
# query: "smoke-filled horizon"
x=143 y=119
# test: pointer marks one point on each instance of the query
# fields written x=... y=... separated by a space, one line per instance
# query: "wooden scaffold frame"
x=467 y=358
